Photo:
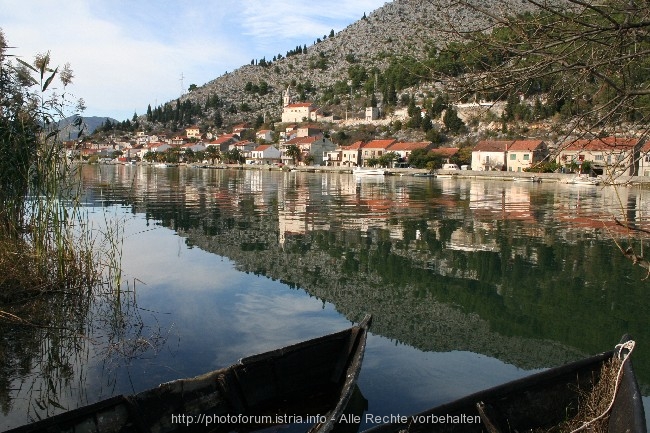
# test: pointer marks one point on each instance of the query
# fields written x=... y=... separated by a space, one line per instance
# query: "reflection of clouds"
x=266 y=321
x=426 y=382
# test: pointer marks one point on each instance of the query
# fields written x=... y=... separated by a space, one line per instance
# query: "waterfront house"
x=446 y=153
x=375 y=149
x=490 y=155
x=351 y=155
x=644 y=160
x=223 y=142
x=154 y=148
x=607 y=155
x=345 y=156
x=245 y=147
x=265 y=154
x=523 y=154
x=404 y=149
x=194 y=147
x=310 y=146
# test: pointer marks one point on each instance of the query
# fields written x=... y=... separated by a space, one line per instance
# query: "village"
x=305 y=142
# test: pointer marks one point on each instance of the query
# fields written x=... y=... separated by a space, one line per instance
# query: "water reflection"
x=530 y=260
x=470 y=282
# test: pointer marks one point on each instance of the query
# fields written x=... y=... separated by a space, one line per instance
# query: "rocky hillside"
x=400 y=28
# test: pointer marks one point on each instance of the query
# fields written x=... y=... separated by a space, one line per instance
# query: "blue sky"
x=126 y=55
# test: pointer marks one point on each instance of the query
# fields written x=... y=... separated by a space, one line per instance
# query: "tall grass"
x=39 y=207
x=51 y=266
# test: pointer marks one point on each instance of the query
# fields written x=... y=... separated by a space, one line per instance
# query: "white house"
x=489 y=155
x=298 y=111
x=154 y=148
x=265 y=154
x=607 y=155
x=523 y=154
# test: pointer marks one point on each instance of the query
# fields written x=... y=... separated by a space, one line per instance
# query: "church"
x=296 y=112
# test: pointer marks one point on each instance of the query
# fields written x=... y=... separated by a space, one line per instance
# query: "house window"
x=598 y=157
x=513 y=157
x=526 y=156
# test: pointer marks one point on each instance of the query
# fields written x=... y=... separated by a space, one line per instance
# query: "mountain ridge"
x=397 y=29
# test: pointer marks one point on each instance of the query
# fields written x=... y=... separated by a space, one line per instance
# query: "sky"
x=126 y=55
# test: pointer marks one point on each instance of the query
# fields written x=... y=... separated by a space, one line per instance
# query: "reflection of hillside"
x=482 y=266
x=410 y=315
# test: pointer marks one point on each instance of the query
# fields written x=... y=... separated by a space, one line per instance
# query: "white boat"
x=583 y=180
x=534 y=179
x=359 y=171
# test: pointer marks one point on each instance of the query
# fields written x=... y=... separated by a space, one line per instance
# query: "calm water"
x=471 y=283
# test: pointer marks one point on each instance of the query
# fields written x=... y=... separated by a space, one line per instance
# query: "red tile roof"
x=354 y=146
x=602 y=144
x=447 y=152
x=492 y=146
x=379 y=144
x=409 y=145
x=302 y=140
x=525 y=145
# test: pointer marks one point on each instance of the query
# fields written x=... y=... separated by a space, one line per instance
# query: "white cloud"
x=126 y=55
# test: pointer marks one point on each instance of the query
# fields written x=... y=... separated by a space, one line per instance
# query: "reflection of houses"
x=608 y=155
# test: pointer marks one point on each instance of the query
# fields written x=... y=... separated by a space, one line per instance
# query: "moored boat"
x=283 y=386
x=583 y=180
x=533 y=179
x=360 y=171
x=557 y=399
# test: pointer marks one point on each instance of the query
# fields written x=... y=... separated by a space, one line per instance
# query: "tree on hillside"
x=591 y=61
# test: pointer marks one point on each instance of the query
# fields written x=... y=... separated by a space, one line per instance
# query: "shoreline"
x=459 y=174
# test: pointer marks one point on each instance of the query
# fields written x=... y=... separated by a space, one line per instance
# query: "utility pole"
x=182 y=85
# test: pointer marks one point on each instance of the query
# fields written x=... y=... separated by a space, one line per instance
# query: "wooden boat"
x=314 y=378
x=538 y=403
